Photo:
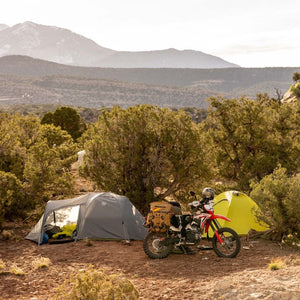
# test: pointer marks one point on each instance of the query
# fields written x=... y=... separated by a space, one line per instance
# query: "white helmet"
x=208 y=193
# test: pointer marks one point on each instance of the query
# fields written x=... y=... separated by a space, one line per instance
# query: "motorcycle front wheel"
x=155 y=247
x=231 y=243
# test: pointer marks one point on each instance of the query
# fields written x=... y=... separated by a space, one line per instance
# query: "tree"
x=296 y=76
x=17 y=134
x=252 y=137
x=277 y=195
x=144 y=152
x=12 y=197
x=35 y=163
x=295 y=88
x=48 y=164
x=68 y=119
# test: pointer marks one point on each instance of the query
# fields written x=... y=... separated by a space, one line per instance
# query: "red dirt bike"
x=187 y=230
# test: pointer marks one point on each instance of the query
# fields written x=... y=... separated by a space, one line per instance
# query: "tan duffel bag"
x=159 y=217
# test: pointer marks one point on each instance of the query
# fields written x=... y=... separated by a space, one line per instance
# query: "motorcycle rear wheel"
x=154 y=248
x=231 y=244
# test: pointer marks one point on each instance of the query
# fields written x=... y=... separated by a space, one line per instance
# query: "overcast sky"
x=252 y=33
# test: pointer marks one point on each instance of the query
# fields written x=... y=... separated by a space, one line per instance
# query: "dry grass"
x=277 y=264
x=2 y=266
x=88 y=242
x=41 y=262
x=94 y=283
x=6 y=235
x=14 y=269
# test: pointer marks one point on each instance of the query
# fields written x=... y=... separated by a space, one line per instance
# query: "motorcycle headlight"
x=195 y=203
x=209 y=207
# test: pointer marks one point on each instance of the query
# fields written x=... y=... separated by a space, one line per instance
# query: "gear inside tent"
x=240 y=209
x=94 y=215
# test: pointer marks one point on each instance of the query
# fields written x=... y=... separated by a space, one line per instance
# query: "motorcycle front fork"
x=214 y=224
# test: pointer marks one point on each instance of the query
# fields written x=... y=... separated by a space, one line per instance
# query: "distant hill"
x=66 y=47
x=169 y=58
x=94 y=92
x=230 y=82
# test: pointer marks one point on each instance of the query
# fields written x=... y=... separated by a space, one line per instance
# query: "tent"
x=240 y=209
x=97 y=215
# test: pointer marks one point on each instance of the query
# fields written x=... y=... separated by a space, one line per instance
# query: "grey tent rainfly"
x=96 y=215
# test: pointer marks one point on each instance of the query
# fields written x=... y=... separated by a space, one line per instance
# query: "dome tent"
x=97 y=215
x=240 y=209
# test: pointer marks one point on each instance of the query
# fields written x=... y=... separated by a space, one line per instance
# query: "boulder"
x=289 y=96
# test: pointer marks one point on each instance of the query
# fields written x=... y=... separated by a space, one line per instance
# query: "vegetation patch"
x=277 y=264
x=14 y=269
x=41 y=262
x=2 y=266
x=96 y=284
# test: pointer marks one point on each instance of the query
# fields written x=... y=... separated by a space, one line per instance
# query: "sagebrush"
x=94 y=284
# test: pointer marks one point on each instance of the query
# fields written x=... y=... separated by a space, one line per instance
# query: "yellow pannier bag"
x=159 y=217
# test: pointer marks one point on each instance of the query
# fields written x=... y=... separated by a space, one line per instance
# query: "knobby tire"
x=232 y=243
x=153 y=248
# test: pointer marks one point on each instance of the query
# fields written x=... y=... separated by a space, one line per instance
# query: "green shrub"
x=12 y=199
x=296 y=89
x=296 y=76
x=145 y=153
x=250 y=138
x=276 y=264
x=277 y=195
x=48 y=164
x=94 y=284
x=68 y=119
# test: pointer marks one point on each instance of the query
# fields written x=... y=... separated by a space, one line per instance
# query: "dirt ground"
x=200 y=276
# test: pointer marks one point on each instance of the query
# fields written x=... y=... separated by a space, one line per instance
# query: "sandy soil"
x=200 y=276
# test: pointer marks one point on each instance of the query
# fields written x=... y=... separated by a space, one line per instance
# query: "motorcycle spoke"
x=230 y=243
x=154 y=247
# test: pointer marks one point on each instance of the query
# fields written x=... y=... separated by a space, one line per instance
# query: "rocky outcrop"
x=289 y=96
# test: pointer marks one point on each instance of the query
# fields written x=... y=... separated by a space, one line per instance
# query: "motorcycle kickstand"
x=187 y=250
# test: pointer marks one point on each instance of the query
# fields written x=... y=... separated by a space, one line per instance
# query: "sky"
x=250 y=33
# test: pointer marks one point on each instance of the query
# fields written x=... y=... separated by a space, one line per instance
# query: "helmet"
x=208 y=193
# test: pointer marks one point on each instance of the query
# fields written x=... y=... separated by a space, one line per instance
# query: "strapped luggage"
x=159 y=217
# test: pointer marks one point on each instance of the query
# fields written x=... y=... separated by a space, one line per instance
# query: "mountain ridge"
x=66 y=47
x=25 y=80
x=188 y=77
x=50 y=43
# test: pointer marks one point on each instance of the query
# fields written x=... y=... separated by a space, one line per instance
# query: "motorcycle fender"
x=220 y=217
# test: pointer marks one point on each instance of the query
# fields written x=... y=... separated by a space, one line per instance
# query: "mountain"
x=66 y=47
x=50 y=43
x=3 y=26
x=169 y=58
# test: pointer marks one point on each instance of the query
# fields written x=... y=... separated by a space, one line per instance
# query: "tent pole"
x=126 y=235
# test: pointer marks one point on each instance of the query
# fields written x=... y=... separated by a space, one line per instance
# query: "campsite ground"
x=199 y=276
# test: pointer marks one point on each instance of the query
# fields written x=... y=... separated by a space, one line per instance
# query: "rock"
x=223 y=285
x=289 y=97
x=289 y=295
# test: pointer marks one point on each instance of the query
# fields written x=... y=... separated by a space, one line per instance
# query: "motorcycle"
x=187 y=230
